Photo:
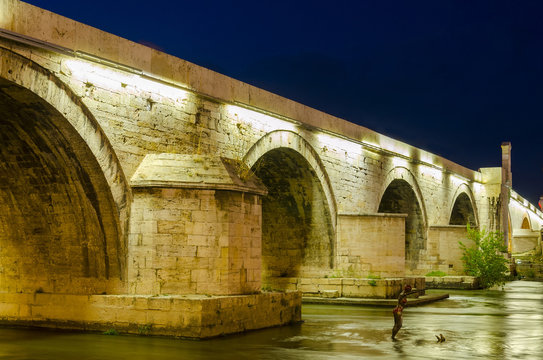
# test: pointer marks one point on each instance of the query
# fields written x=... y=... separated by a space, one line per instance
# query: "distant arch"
x=406 y=175
x=526 y=222
x=402 y=195
x=463 y=209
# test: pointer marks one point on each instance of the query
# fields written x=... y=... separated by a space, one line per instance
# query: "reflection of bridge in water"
x=125 y=172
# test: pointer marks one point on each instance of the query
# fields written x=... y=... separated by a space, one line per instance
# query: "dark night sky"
x=452 y=77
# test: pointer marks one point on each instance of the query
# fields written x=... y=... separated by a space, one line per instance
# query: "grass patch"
x=436 y=273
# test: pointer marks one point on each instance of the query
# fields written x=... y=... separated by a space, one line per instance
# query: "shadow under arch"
x=401 y=194
x=298 y=218
x=66 y=214
x=463 y=209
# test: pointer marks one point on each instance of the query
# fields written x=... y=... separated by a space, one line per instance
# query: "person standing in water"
x=398 y=310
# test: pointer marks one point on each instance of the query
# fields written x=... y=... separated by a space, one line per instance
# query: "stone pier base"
x=189 y=316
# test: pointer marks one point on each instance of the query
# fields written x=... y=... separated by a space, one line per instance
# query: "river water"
x=493 y=324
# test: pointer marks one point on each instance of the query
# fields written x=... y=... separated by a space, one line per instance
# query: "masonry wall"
x=371 y=245
x=189 y=241
x=525 y=240
x=444 y=253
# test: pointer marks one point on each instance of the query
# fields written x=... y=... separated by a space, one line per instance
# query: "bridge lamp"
x=350 y=148
x=98 y=76
x=477 y=187
x=400 y=162
x=395 y=146
x=155 y=87
x=258 y=121
x=435 y=173
x=118 y=80
x=456 y=180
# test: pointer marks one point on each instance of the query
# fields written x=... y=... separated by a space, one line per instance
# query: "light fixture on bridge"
x=117 y=80
x=258 y=120
x=456 y=180
x=430 y=171
x=400 y=162
x=352 y=150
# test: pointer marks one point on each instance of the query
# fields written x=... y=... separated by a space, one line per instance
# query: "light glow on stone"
x=437 y=174
x=351 y=149
x=456 y=181
x=400 y=162
x=395 y=146
x=117 y=80
x=259 y=121
x=477 y=187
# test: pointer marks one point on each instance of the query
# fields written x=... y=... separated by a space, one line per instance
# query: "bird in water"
x=440 y=338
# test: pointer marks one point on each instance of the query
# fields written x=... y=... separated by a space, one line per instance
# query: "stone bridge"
x=143 y=192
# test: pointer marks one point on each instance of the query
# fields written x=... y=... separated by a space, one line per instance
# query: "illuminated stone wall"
x=189 y=241
x=444 y=253
x=364 y=238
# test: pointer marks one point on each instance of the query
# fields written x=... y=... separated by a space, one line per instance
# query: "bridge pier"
x=194 y=260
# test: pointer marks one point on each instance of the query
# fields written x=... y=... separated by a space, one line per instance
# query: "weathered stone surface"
x=178 y=316
x=364 y=238
x=359 y=287
x=195 y=241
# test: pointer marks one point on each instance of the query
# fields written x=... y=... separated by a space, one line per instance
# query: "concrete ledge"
x=195 y=316
x=421 y=300
x=387 y=288
x=452 y=282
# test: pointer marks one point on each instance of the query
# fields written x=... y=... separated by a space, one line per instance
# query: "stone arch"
x=401 y=194
x=298 y=232
x=289 y=139
x=69 y=207
x=526 y=222
x=406 y=175
x=463 y=208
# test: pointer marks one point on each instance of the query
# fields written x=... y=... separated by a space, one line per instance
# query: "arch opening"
x=462 y=212
x=58 y=220
x=297 y=229
x=399 y=198
x=525 y=223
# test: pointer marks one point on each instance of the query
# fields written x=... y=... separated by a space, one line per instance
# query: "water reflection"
x=499 y=324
